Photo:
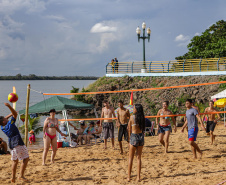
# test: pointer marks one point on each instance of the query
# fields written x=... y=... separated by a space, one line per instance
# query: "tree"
x=79 y=97
x=32 y=125
x=211 y=44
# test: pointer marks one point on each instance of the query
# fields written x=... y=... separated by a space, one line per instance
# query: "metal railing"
x=172 y=66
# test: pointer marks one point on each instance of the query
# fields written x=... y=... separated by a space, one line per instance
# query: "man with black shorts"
x=211 y=120
x=108 y=126
x=123 y=116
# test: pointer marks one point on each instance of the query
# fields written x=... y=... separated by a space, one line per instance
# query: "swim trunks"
x=192 y=134
x=19 y=152
x=108 y=129
x=137 y=139
x=123 y=132
x=210 y=126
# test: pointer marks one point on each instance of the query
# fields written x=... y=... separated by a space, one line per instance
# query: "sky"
x=79 y=37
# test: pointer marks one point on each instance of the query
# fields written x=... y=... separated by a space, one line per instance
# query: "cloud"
x=181 y=38
x=11 y=6
x=101 y=28
x=197 y=34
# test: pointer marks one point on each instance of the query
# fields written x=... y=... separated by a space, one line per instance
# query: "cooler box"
x=59 y=144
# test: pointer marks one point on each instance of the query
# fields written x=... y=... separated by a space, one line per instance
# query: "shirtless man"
x=123 y=116
x=211 y=120
x=164 y=126
x=3 y=147
x=108 y=126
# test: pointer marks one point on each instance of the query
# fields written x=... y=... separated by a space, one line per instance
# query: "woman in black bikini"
x=49 y=135
x=136 y=128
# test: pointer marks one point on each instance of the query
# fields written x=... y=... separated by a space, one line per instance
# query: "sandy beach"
x=94 y=165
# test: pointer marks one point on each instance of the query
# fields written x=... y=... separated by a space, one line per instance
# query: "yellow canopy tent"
x=221 y=103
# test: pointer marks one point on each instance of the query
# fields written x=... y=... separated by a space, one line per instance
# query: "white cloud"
x=197 y=34
x=10 y=6
x=181 y=38
x=101 y=28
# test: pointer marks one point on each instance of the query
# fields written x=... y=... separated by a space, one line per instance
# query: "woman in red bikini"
x=49 y=135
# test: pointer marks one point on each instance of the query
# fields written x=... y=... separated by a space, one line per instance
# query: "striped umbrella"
x=129 y=107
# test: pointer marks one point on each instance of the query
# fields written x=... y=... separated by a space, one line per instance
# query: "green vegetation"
x=33 y=124
x=79 y=97
x=222 y=86
x=34 y=77
x=211 y=44
x=183 y=98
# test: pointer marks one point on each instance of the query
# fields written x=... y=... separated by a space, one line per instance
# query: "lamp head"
x=138 y=30
x=149 y=31
x=143 y=25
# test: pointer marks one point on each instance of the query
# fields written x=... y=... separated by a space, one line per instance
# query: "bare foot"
x=43 y=164
x=138 y=180
x=105 y=148
x=52 y=162
x=121 y=153
x=13 y=180
x=128 y=179
x=23 y=179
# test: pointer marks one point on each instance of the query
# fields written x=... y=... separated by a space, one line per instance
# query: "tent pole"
x=65 y=117
x=26 y=113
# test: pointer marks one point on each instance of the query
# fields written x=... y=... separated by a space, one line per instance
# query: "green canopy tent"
x=59 y=104
x=56 y=102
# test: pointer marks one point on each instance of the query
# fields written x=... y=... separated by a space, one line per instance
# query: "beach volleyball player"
x=164 y=125
x=18 y=149
x=108 y=126
x=211 y=120
x=192 y=118
x=122 y=122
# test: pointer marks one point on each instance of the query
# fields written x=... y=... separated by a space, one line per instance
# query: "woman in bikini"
x=164 y=126
x=136 y=128
x=49 y=135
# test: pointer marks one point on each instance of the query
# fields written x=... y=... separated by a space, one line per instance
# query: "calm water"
x=45 y=86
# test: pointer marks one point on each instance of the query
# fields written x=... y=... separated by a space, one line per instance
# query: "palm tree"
x=32 y=125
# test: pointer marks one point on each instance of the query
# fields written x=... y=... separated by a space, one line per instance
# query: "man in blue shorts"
x=191 y=121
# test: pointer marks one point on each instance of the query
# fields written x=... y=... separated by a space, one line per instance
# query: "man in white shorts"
x=18 y=149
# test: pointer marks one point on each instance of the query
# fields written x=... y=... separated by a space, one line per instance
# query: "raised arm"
x=14 y=113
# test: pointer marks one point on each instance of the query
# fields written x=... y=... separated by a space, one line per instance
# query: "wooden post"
x=26 y=114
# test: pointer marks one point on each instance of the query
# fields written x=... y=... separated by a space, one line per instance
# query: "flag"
x=131 y=99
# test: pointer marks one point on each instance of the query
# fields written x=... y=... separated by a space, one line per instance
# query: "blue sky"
x=79 y=37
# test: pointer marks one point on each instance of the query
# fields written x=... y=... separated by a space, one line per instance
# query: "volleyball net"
x=139 y=90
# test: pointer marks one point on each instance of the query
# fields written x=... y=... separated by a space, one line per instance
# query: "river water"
x=44 y=86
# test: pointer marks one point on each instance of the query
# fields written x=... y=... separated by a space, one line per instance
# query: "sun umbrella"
x=221 y=103
x=129 y=107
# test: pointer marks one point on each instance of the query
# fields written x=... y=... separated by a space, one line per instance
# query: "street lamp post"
x=143 y=37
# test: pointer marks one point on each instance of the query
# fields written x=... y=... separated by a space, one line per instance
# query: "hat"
x=52 y=110
x=31 y=132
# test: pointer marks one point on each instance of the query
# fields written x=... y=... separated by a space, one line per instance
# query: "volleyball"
x=12 y=97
